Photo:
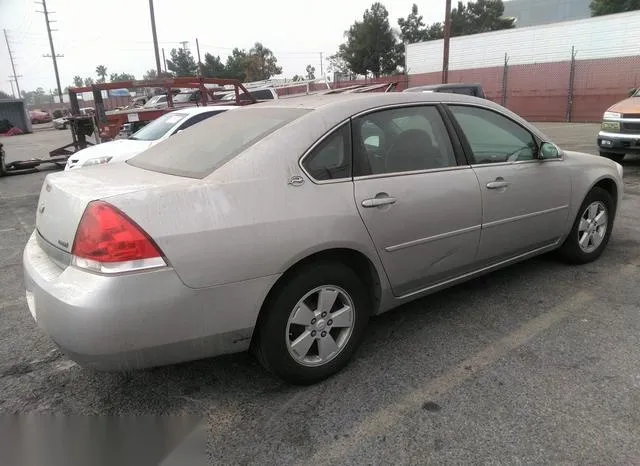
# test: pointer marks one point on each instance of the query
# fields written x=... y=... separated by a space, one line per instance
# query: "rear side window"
x=205 y=147
x=331 y=159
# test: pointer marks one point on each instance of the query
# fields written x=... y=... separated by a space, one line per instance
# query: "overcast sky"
x=117 y=33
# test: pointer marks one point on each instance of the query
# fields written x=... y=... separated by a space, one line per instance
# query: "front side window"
x=494 y=138
x=400 y=140
x=331 y=159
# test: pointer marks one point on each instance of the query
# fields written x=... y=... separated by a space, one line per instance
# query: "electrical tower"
x=14 y=77
x=184 y=44
x=53 y=51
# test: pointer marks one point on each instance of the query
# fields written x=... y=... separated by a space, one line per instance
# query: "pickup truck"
x=620 y=129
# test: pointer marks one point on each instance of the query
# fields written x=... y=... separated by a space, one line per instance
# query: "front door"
x=421 y=208
x=525 y=200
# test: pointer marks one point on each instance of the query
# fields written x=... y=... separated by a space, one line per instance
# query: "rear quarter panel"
x=245 y=220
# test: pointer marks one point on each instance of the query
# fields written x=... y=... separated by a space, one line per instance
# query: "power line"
x=53 y=51
x=13 y=66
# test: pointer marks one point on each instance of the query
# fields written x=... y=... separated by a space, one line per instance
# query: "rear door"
x=525 y=200
x=420 y=204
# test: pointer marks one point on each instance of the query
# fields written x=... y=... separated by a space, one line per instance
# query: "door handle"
x=378 y=201
x=498 y=183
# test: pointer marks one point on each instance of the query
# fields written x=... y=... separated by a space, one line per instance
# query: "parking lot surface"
x=537 y=363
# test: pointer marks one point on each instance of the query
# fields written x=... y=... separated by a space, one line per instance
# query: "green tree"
x=371 y=46
x=477 y=17
x=236 y=65
x=115 y=77
x=412 y=29
x=36 y=98
x=311 y=72
x=77 y=81
x=261 y=63
x=88 y=81
x=213 y=67
x=608 y=7
x=101 y=71
x=182 y=63
x=4 y=95
x=153 y=74
x=297 y=77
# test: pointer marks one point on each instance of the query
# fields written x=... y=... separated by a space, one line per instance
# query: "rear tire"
x=295 y=330
x=587 y=239
x=612 y=156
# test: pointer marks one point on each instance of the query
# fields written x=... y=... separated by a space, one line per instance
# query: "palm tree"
x=101 y=71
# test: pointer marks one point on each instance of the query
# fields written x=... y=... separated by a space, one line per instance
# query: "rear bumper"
x=619 y=143
x=138 y=320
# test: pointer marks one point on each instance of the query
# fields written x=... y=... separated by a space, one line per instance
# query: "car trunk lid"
x=64 y=196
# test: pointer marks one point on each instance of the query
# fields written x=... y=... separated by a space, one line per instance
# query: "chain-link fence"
x=568 y=90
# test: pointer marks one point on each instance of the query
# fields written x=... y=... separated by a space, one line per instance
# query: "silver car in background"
x=296 y=222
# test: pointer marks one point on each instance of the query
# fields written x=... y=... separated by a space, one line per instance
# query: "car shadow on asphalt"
x=236 y=379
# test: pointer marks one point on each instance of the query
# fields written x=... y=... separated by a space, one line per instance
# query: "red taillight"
x=107 y=236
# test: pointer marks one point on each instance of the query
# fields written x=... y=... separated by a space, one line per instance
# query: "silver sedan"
x=283 y=226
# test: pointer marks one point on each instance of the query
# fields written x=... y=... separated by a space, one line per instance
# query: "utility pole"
x=199 y=62
x=447 y=37
x=13 y=93
x=184 y=44
x=13 y=66
x=155 y=38
x=53 y=51
x=321 y=70
x=164 y=60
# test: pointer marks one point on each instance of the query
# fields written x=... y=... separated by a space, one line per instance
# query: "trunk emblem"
x=64 y=244
x=41 y=208
x=48 y=187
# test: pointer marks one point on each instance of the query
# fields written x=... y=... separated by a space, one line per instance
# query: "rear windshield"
x=201 y=149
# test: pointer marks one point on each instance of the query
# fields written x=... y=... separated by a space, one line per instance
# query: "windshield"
x=204 y=147
x=183 y=97
x=158 y=127
x=156 y=100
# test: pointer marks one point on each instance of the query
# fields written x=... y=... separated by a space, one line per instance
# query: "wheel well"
x=351 y=258
x=609 y=186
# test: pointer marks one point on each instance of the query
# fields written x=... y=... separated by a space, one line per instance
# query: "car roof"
x=334 y=108
x=360 y=102
x=196 y=110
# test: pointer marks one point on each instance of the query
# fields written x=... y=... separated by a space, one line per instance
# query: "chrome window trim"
x=413 y=172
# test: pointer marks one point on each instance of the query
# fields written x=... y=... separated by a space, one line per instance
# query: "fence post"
x=572 y=72
x=505 y=76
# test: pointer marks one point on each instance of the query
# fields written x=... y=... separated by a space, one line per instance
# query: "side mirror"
x=549 y=150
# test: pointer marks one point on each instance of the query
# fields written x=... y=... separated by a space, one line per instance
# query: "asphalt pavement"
x=537 y=363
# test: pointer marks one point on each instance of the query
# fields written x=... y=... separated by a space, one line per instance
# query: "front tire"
x=313 y=323
x=591 y=229
x=612 y=156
